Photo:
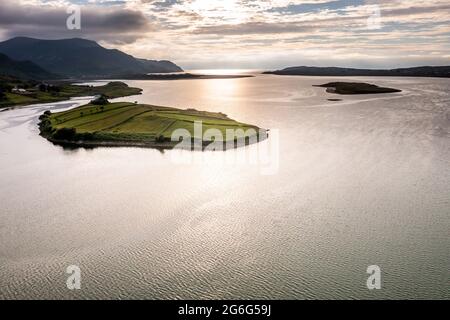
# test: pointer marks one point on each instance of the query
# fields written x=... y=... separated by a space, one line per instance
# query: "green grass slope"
x=133 y=123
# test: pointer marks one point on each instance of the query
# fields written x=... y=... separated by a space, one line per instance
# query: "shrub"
x=101 y=100
x=87 y=136
x=54 y=89
x=45 y=125
x=65 y=134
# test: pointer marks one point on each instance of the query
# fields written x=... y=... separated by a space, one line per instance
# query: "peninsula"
x=101 y=123
x=15 y=92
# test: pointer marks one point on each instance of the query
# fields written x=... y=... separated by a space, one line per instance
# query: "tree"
x=160 y=138
x=101 y=100
x=67 y=134
x=43 y=87
x=54 y=89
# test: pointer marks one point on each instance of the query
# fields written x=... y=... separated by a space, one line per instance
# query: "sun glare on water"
x=224 y=72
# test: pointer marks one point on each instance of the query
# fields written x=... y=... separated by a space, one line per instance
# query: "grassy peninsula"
x=15 y=92
x=130 y=124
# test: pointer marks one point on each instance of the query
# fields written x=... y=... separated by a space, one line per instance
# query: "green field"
x=62 y=92
x=128 y=122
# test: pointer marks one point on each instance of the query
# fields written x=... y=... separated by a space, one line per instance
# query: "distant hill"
x=22 y=69
x=440 y=72
x=80 y=58
x=163 y=65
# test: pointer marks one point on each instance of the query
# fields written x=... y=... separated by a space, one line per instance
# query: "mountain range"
x=80 y=58
x=440 y=72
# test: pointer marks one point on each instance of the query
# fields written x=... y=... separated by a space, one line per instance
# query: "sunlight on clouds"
x=254 y=33
x=230 y=10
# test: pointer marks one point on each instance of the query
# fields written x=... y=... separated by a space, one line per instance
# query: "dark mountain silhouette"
x=441 y=72
x=163 y=65
x=80 y=58
x=22 y=69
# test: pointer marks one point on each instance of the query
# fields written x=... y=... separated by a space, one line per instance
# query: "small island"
x=348 y=88
x=125 y=124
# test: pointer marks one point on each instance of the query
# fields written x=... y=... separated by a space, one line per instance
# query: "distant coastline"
x=178 y=76
x=426 y=71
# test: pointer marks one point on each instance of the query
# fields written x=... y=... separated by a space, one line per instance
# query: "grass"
x=65 y=91
x=131 y=122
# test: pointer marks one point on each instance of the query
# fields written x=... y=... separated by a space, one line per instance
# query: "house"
x=19 y=91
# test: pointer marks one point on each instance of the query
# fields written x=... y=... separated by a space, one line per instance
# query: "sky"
x=251 y=34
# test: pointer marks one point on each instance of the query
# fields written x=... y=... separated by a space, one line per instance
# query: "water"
x=361 y=182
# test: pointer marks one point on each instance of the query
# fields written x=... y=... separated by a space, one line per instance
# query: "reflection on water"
x=360 y=182
x=224 y=88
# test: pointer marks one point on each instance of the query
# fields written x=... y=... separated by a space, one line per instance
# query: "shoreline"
x=148 y=145
x=174 y=76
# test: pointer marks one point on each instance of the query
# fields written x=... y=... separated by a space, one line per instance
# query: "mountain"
x=22 y=69
x=80 y=58
x=151 y=65
x=440 y=72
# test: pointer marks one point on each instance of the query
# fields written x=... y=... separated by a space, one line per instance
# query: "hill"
x=22 y=69
x=440 y=72
x=80 y=58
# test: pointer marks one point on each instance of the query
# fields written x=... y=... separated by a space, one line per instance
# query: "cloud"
x=101 y=22
x=249 y=33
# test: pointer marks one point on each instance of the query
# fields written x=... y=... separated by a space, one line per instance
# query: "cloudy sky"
x=260 y=34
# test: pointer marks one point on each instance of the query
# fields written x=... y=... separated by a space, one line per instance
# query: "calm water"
x=361 y=182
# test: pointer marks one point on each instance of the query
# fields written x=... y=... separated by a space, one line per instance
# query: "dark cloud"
x=113 y=24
